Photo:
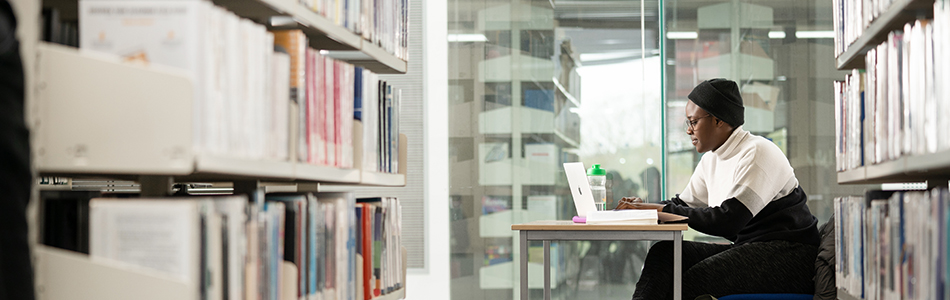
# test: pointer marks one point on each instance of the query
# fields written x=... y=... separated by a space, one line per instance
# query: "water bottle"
x=598 y=186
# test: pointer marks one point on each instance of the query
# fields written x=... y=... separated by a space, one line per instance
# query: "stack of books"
x=893 y=245
x=232 y=247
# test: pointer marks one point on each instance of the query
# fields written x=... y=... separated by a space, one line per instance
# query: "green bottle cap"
x=595 y=170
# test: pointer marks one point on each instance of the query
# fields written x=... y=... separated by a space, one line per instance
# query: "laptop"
x=580 y=188
x=584 y=201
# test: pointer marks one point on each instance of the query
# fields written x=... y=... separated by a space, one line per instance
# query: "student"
x=16 y=273
x=743 y=190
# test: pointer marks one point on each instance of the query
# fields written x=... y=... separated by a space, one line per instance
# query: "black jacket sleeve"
x=725 y=220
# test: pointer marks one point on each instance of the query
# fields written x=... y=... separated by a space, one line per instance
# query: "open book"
x=632 y=217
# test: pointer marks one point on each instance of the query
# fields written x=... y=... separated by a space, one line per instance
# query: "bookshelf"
x=163 y=112
x=900 y=12
x=94 y=116
x=288 y=14
x=905 y=169
x=58 y=268
x=107 y=280
x=913 y=140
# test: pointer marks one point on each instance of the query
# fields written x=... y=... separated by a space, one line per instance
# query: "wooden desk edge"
x=570 y=225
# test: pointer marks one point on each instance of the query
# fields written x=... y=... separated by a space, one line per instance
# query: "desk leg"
x=677 y=265
x=524 y=265
x=547 y=270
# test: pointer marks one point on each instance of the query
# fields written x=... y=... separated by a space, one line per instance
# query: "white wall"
x=432 y=282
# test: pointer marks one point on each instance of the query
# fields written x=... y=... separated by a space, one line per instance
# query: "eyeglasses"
x=692 y=123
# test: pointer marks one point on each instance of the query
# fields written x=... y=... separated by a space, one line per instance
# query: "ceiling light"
x=467 y=37
x=682 y=35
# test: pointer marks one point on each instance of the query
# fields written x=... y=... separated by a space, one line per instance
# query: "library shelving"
x=321 y=32
x=95 y=117
x=885 y=113
x=894 y=18
x=89 y=130
x=917 y=168
x=59 y=268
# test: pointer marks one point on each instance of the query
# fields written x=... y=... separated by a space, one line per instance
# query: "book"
x=367 y=250
x=626 y=216
x=382 y=245
x=295 y=235
x=329 y=111
x=280 y=141
x=314 y=119
x=894 y=109
x=156 y=234
x=235 y=249
x=346 y=115
x=234 y=221
x=66 y=219
x=892 y=245
x=294 y=42
x=313 y=243
x=274 y=235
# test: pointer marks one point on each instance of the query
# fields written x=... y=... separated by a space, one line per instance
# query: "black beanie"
x=720 y=98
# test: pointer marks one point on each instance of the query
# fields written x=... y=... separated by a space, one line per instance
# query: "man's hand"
x=637 y=203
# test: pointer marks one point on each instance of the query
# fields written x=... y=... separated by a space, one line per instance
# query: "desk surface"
x=570 y=225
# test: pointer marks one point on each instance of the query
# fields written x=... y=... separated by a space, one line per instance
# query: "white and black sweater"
x=746 y=191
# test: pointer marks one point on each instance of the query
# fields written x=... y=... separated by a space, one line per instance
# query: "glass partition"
x=534 y=84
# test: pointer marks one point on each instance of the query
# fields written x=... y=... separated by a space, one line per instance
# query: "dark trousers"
x=16 y=274
x=719 y=270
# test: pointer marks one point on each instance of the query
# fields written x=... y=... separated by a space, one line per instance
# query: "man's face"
x=701 y=128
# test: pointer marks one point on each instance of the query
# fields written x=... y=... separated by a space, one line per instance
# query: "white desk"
x=548 y=231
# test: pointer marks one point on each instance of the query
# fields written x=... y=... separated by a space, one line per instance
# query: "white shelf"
x=69 y=275
x=308 y=172
x=229 y=167
x=844 y=295
x=98 y=117
x=395 y=295
x=382 y=179
x=382 y=58
x=916 y=168
x=322 y=33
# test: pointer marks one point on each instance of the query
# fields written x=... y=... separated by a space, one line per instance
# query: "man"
x=744 y=190
x=16 y=274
